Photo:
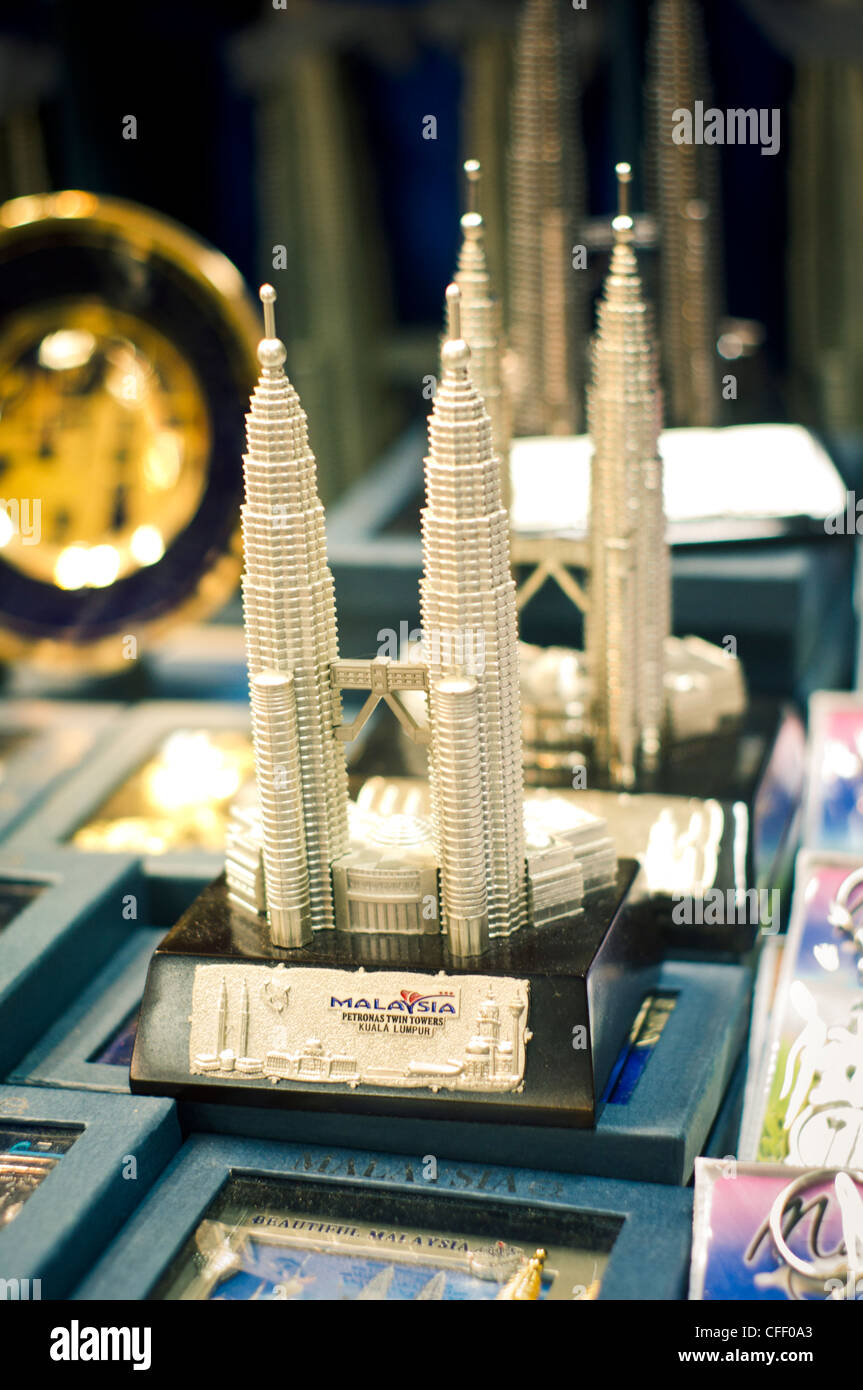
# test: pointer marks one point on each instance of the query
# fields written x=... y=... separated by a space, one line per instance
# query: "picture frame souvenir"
x=832 y=820
x=768 y=1232
x=117 y=1151
x=639 y=1228
x=806 y=1109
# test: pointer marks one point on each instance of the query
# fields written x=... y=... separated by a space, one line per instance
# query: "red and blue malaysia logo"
x=408 y=1001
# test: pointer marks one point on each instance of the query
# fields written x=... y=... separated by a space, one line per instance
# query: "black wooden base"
x=587 y=977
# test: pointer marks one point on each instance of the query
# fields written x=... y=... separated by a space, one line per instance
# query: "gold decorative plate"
x=127 y=351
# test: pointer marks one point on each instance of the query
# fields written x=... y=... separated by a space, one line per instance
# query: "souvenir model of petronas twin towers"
x=487 y=862
x=307 y=857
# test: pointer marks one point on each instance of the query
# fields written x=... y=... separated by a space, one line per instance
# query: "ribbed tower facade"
x=482 y=325
x=545 y=294
x=684 y=195
x=628 y=618
x=290 y=614
x=461 y=839
x=468 y=607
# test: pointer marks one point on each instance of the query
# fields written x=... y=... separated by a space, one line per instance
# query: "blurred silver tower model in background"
x=546 y=296
x=290 y=622
x=683 y=193
x=467 y=599
x=628 y=617
x=319 y=226
x=482 y=326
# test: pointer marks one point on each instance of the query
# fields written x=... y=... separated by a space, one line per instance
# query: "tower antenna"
x=268 y=299
x=473 y=173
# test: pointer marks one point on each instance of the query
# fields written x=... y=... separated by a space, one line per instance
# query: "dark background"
x=176 y=66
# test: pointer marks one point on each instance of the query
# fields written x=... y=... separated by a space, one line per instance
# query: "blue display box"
x=176 y=876
x=654 y=1137
x=66 y=914
x=648 y=1259
x=41 y=741
x=71 y=1053
x=120 y=1147
x=724 y=1137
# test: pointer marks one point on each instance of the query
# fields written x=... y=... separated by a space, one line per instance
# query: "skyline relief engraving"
x=377 y=1028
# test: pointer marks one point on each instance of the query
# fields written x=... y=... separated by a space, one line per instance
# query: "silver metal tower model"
x=546 y=295
x=628 y=617
x=683 y=183
x=470 y=629
x=290 y=622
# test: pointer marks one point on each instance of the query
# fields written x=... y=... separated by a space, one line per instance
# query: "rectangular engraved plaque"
x=378 y=1028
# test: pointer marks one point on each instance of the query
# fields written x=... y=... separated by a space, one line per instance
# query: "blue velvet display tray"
x=654 y=1137
x=55 y=943
x=175 y=877
x=42 y=741
x=68 y=1054
x=649 y=1259
x=724 y=1137
x=121 y=1148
